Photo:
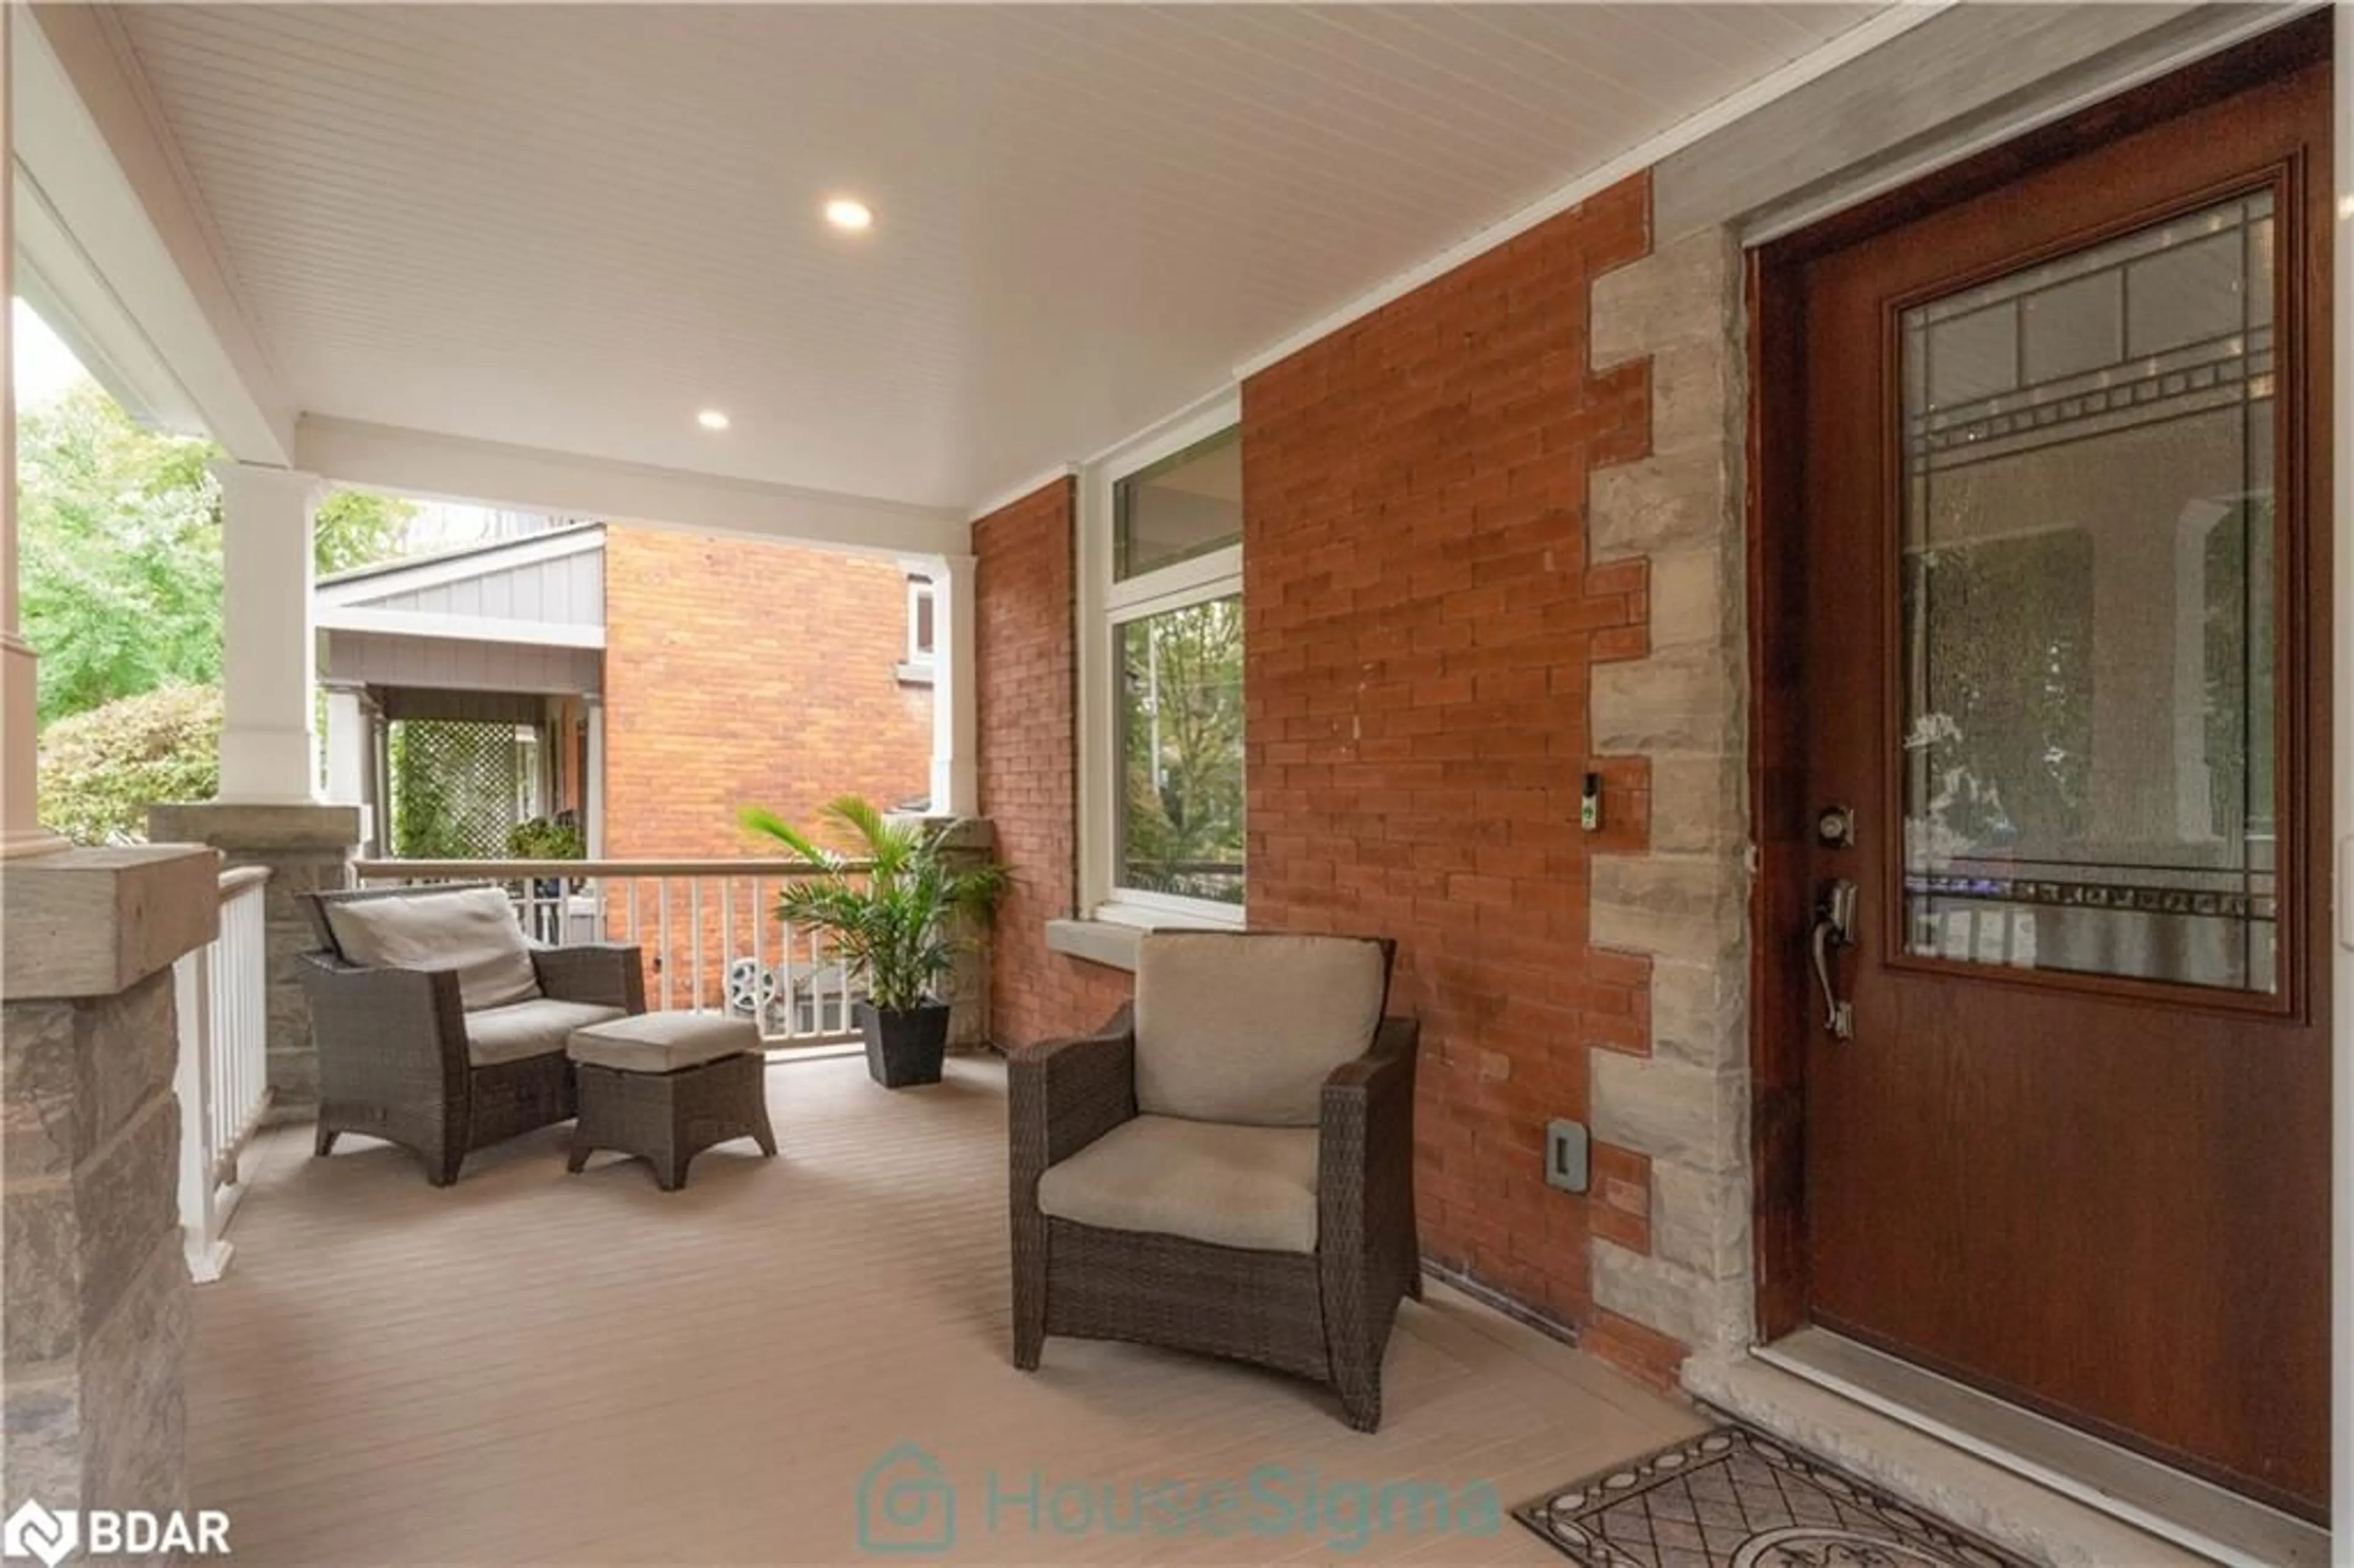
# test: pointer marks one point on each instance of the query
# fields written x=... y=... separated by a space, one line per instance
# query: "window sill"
x=916 y=673
x=1111 y=940
x=1095 y=941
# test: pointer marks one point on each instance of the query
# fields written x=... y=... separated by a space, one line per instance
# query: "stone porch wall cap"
x=95 y=922
x=257 y=830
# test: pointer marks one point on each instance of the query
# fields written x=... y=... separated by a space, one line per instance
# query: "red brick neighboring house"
x=741 y=673
x=673 y=679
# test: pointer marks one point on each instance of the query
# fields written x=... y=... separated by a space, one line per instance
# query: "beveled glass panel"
x=2089 y=647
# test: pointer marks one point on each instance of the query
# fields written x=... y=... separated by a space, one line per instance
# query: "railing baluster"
x=661 y=945
x=694 y=940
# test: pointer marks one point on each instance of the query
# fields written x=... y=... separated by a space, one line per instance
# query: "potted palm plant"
x=892 y=913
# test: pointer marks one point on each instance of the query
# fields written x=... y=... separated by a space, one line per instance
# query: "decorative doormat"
x=1734 y=1499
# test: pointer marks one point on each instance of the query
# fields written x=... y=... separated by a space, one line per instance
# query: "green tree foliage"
x=101 y=769
x=354 y=529
x=119 y=568
x=118 y=530
x=1182 y=736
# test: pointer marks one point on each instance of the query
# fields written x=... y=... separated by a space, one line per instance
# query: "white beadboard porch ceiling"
x=573 y=227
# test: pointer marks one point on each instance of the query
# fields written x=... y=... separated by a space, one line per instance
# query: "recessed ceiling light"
x=712 y=419
x=844 y=212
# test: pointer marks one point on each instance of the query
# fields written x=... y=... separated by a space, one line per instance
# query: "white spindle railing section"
x=222 y=1078
x=708 y=931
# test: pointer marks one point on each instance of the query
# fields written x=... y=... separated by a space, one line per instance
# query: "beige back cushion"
x=1244 y=1028
x=470 y=929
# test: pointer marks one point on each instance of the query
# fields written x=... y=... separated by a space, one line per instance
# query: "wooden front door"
x=2054 y=678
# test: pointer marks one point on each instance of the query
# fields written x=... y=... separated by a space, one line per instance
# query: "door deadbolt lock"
x=1835 y=827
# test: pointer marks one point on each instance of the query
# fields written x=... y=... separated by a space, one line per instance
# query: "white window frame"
x=1103 y=607
x=920 y=664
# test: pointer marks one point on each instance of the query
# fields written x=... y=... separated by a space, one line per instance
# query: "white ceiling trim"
x=1026 y=488
x=430 y=466
x=80 y=132
x=1856 y=41
x=57 y=277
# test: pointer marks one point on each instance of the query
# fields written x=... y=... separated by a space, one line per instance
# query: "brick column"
x=95 y=1278
x=308 y=849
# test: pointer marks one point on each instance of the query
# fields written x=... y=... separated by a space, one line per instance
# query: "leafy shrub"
x=101 y=769
x=543 y=838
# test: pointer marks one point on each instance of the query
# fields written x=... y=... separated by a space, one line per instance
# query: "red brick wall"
x=741 y=673
x=1027 y=675
x=1421 y=623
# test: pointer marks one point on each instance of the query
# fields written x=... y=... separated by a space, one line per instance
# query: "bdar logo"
x=34 y=1532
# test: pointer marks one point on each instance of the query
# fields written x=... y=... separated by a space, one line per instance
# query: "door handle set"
x=1834 y=928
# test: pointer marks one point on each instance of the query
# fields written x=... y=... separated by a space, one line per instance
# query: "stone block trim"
x=1425 y=628
x=1026 y=655
x=1681 y=1101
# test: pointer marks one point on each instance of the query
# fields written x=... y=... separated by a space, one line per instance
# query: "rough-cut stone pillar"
x=1685 y=1104
x=308 y=849
x=94 y=1277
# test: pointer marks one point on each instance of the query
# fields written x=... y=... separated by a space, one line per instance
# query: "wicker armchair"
x=439 y=1028
x=1226 y=1167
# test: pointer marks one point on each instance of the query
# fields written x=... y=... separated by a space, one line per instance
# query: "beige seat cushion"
x=470 y=929
x=663 y=1042
x=1250 y=1186
x=1245 y=1028
x=535 y=1028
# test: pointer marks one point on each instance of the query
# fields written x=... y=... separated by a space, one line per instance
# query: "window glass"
x=1181 y=751
x=1182 y=506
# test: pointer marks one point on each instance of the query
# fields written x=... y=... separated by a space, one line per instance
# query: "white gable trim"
x=391 y=580
x=461 y=628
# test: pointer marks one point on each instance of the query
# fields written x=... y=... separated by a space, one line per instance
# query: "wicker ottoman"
x=666 y=1086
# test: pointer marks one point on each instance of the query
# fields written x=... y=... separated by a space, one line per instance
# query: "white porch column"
x=348 y=748
x=269 y=656
x=592 y=792
x=20 y=820
x=956 y=715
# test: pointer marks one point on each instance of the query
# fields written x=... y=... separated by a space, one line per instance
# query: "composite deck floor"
x=532 y=1367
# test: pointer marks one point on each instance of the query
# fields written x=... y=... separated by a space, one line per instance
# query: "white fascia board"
x=461 y=628
x=137 y=282
x=427 y=465
x=63 y=285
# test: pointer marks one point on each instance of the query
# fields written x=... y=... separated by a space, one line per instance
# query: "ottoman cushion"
x=663 y=1042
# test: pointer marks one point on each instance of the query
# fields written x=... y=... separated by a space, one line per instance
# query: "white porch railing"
x=708 y=928
x=222 y=1078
